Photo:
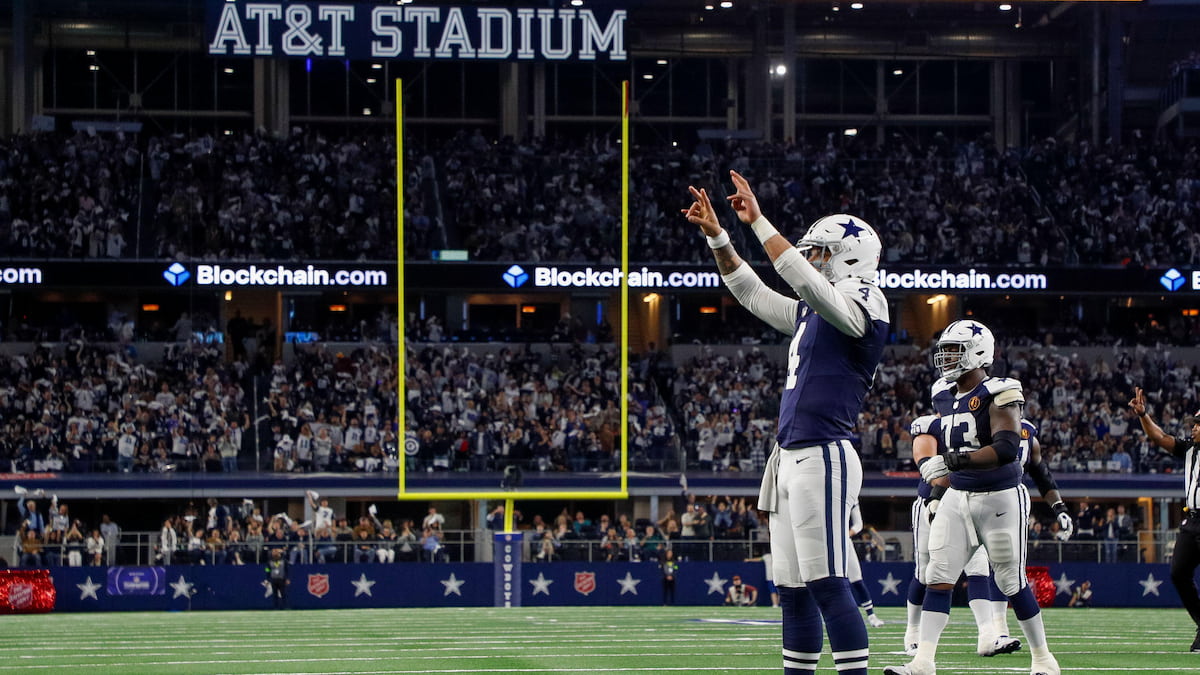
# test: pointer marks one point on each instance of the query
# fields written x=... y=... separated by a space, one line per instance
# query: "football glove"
x=1064 y=519
x=934 y=500
x=933 y=468
x=957 y=460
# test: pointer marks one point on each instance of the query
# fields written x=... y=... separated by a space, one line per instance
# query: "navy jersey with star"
x=967 y=426
x=829 y=372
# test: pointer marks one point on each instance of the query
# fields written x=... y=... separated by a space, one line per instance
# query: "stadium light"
x=1006 y=7
x=726 y=5
x=856 y=5
x=940 y=297
x=850 y=132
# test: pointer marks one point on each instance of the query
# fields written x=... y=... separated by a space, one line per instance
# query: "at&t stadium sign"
x=346 y=30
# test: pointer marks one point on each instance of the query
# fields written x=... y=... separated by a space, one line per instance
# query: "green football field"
x=544 y=640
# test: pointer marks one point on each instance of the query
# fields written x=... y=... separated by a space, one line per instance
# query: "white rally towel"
x=767 y=499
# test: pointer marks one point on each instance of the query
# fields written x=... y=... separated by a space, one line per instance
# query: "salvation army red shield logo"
x=585 y=582
x=318 y=584
x=20 y=596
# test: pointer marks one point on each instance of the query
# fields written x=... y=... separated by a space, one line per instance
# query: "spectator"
x=431 y=545
x=95 y=548
x=741 y=595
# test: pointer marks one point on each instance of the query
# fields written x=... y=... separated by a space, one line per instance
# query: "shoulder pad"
x=998 y=385
x=866 y=295
x=1028 y=427
x=925 y=424
x=940 y=385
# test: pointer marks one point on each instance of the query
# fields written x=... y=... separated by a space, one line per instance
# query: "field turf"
x=544 y=640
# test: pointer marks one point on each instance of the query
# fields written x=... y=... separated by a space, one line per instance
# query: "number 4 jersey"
x=828 y=371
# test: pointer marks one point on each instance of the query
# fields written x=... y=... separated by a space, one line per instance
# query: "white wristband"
x=719 y=241
x=763 y=229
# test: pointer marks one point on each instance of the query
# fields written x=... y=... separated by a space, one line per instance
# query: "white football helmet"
x=853 y=247
x=964 y=345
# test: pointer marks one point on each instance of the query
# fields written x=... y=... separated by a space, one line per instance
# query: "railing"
x=142 y=548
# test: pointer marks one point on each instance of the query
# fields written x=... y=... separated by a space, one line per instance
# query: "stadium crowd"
x=235 y=196
x=224 y=532
x=81 y=408
x=705 y=528
x=88 y=408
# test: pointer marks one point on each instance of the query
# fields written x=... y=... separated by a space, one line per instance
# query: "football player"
x=986 y=504
x=992 y=632
x=858 y=587
x=838 y=328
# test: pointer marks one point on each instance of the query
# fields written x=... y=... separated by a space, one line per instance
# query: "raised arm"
x=1153 y=432
x=776 y=309
x=813 y=287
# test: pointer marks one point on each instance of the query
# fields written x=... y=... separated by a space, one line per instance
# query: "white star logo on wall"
x=183 y=587
x=541 y=585
x=890 y=585
x=363 y=586
x=628 y=584
x=1150 y=585
x=453 y=584
x=715 y=584
x=1062 y=585
x=88 y=589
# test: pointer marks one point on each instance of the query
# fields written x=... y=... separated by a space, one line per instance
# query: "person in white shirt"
x=168 y=540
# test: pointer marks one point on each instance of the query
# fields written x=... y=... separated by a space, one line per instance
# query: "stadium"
x=379 y=336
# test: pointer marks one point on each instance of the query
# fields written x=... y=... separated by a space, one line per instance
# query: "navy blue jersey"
x=829 y=372
x=1025 y=447
x=931 y=425
x=967 y=426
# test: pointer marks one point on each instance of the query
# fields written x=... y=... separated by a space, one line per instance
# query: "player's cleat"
x=1007 y=645
x=1000 y=645
x=875 y=621
x=1196 y=642
x=1046 y=665
x=910 y=649
x=914 y=668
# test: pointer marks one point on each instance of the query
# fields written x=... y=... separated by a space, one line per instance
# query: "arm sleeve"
x=847 y=316
x=773 y=307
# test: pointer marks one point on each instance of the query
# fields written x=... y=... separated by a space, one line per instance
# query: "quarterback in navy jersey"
x=813 y=477
x=986 y=505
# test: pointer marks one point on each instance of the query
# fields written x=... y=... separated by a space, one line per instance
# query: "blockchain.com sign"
x=415 y=31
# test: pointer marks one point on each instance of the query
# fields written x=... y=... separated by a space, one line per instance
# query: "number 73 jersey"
x=828 y=371
x=966 y=426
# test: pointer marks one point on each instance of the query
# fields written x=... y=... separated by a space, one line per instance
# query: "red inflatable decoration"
x=26 y=591
x=1043 y=586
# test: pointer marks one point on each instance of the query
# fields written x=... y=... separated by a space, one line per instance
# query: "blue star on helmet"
x=851 y=228
x=976 y=329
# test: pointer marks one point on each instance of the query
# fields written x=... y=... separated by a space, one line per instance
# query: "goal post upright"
x=509 y=496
